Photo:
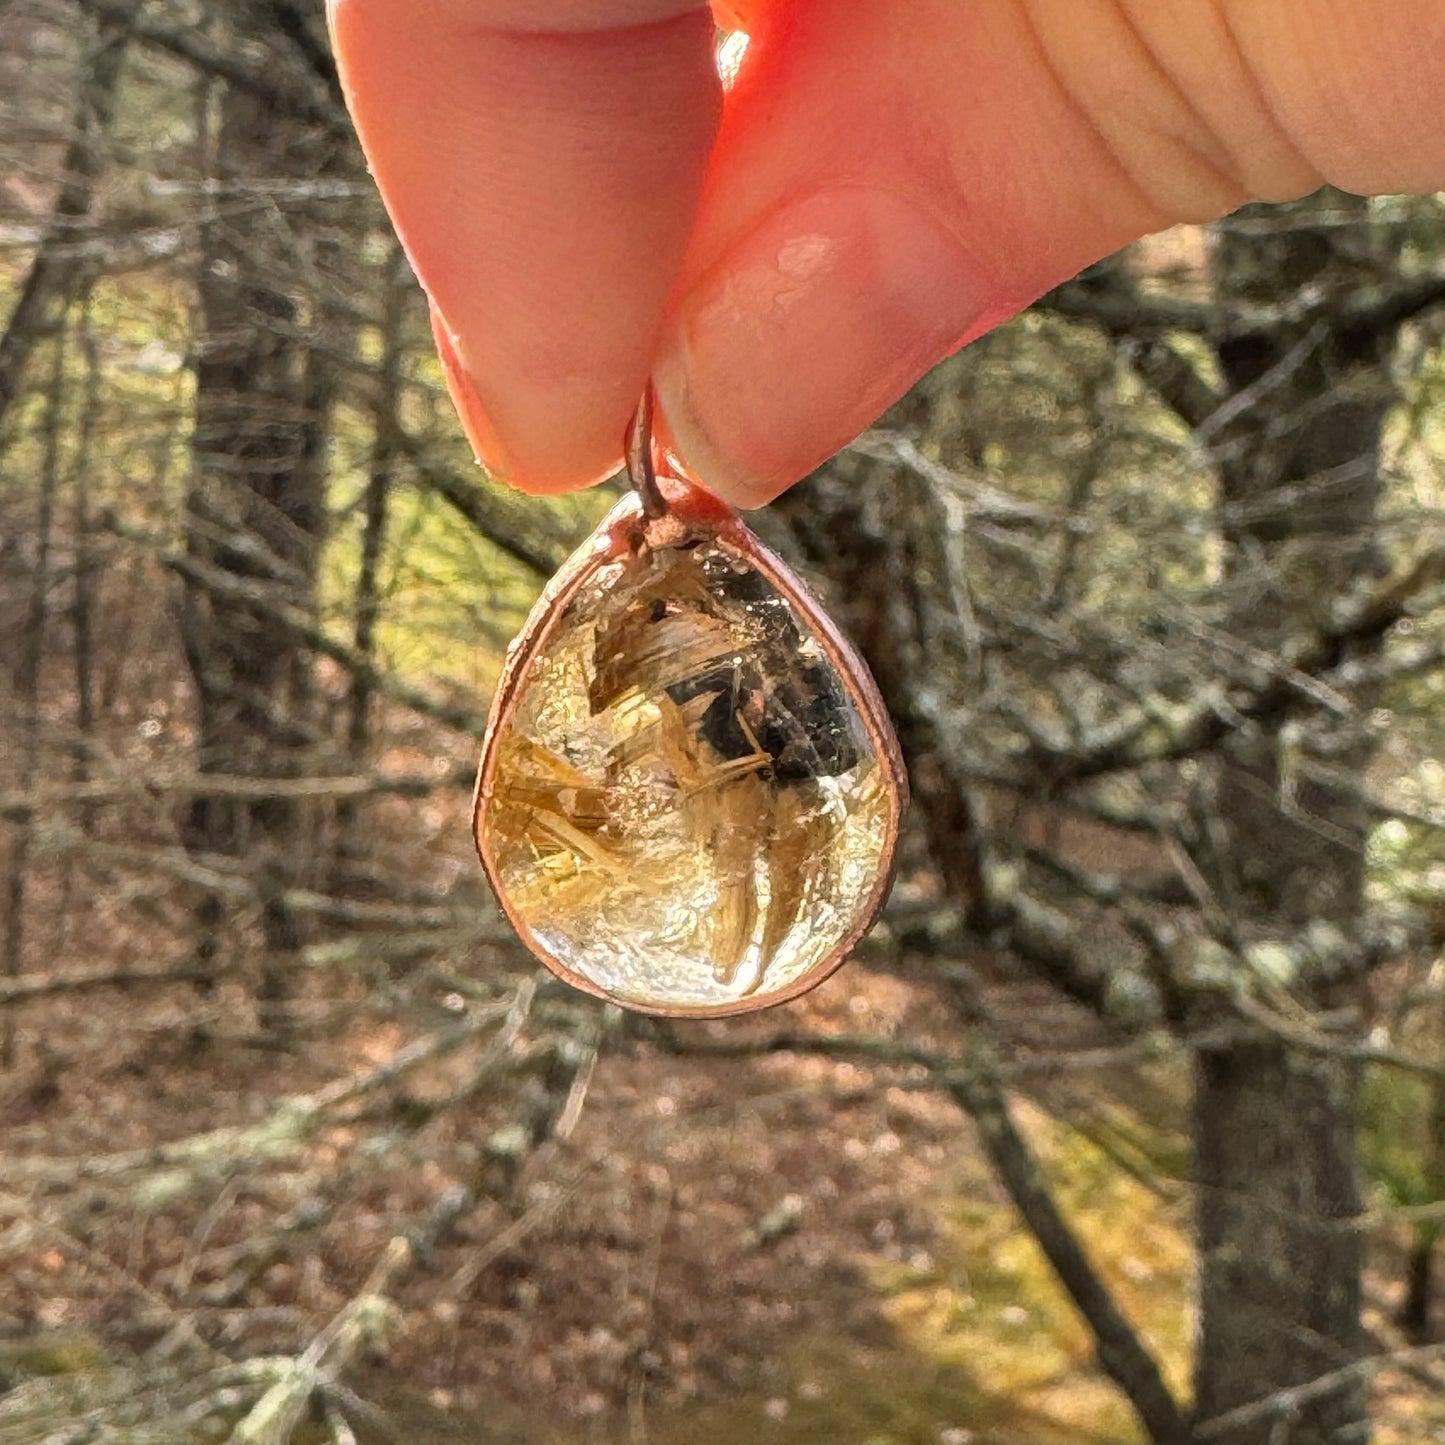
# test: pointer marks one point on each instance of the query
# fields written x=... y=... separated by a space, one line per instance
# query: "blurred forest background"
x=1126 y=1124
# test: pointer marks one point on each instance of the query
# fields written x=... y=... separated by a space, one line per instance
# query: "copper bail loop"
x=641 y=470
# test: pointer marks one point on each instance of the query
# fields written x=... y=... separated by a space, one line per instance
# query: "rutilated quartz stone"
x=686 y=806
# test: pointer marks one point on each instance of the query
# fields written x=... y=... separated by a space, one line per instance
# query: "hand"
x=885 y=180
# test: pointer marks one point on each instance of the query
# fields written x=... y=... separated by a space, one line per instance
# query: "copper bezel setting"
x=689 y=513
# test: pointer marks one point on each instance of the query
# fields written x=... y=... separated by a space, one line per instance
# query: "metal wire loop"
x=641 y=471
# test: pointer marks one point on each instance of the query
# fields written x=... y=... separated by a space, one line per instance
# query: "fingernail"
x=815 y=324
x=479 y=430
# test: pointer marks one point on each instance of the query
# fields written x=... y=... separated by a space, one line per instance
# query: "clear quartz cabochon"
x=690 y=794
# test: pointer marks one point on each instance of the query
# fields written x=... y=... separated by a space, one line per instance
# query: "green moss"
x=984 y=1345
x=1394 y=1128
x=994 y=1306
x=46 y=1356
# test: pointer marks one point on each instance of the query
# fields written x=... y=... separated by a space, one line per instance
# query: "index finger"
x=542 y=165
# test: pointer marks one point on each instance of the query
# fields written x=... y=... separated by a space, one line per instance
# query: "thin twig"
x=1282 y=1404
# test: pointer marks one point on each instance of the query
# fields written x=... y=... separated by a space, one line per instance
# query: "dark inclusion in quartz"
x=686 y=810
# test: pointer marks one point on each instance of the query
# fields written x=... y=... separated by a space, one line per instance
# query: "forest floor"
x=777 y=1249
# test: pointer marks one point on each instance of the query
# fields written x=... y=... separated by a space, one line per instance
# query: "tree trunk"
x=256 y=508
x=86 y=565
x=27 y=680
x=57 y=268
x=1279 y=1248
x=351 y=844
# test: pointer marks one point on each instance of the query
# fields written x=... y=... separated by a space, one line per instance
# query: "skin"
x=586 y=205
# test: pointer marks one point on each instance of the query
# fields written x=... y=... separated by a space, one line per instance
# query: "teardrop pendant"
x=690 y=794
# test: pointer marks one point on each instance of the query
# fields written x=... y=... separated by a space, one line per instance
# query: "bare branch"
x=54 y=274
x=1284 y=1404
x=22 y=990
x=472 y=504
x=185 y=44
x=213 y=1155
x=267 y=601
